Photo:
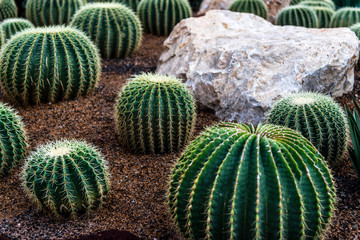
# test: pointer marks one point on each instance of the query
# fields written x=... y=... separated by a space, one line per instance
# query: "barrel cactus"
x=8 y=9
x=160 y=16
x=257 y=7
x=345 y=17
x=113 y=27
x=154 y=114
x=236 y=181
x=297 y=16
x=318 y=118
x=48 y=64
x=14 y=25
x=319 y=3
x=50 y=12
x=66 y=177
x=324 y=16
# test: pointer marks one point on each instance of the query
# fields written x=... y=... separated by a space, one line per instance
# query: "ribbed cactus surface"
x=297 y=16
x=66 y=177
x=236 y=181
x=49 y=64
x=154 y=114
x=2 y=37
x=345 y=17
x=14 y=25
x=318 y=3
x=113 y=27
x=318 y=118
x=8 y=9
x=160 y=16
x=324 y=16
x=257 y=7
x=13 y=142
x=130 y=3
x=51 y=12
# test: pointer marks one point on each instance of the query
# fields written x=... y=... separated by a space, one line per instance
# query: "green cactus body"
x=257 y=7
x=13 y=141
x=50 y=12
x=318 y=3
x=66 y=177
x=345 y=17
x=236 y=181
x=347 y=3
x=8 y=9
x=160 y=16
x=2 y=37
x=154 y=114
x=113 y=27
x=297 y=16
x=14 y=25
x=324 y=16
x=318 y=118
x=130 y=3
x=48 y=64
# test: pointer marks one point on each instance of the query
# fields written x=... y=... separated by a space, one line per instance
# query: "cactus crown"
x=347 y=3
x=257 y=7
x=345 y=17
x=8 y=9
x=318 y=3
x=14 y=25
x=297 y=16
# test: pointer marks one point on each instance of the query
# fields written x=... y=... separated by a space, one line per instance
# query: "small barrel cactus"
x=13 y=141
x=66 y=177
x=160 y=16
x=318 y=118
x=318 y=3
x=14 y=25
x=117 y=31
x=345 y=17
x=50 y=12
x=257 y=7
x=8 y=9
x=154 y=114
x=297 y=16
x=236 y=181
x=324 y=16
x=48 y=64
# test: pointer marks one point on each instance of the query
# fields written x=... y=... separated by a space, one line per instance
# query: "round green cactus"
x=324 y=16
x=14 y=25
x=154 y=114
x=257 y=7
x=48 y=64
x=236 y=181
x=66 y=177
x=113 y=27
x=318 y=118
x=318 y=3
x=50 y=12
x=160 y=16
x=8 y=9
x=297 y=16
x=13 y=141
x=345 y=17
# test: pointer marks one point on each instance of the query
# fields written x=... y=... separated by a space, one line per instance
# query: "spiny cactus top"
x=113 y=27
x=8 y=9
x=257 y=7
x=345 y=17
x=48 y=64
x=13 y=141
x=130 y=3
x=318 y=3
x=297 y=15
x=154 y=114
x=51 y=12
x=160 y=16
x=318 y=118
x=236 y=181
x=14 y=25
x=66 y=177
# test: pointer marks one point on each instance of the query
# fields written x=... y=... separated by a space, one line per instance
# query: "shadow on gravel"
x=107 y=235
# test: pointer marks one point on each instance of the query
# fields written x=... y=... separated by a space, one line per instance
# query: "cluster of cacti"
x=11 y=26
x=347 y=3
x=154 y=114
x=345 y=17
x=160 y=16
x=324 y=16
x=8 y=9
x=257 y=7
x=50 y=12
x=236 y=181
x=113 y=27
x=318 y=118
x=66 y=177
x=318 y=3
x=48 y=64
x=297 y=15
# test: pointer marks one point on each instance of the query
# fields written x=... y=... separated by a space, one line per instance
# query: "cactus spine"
x=345 y=17
x=160 y=16
x=154 y=114
x=318 y=3
x=318 y=118
x=14 y=25
x=324 y=16
x=50 y=12
x=113 y=27
x=236 y=181
x=257 y=7
x=8 y=9
x=297 y=16
x=48 y=64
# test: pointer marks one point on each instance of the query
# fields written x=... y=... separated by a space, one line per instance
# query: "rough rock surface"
x=238 y=64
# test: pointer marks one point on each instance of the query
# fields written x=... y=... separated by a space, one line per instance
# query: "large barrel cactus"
x=345 y=17
x=324 y=16
x=51 y=12
x=257 y=7
x=66 y=177
x=13 y=142
x=236 y=181
x=49 y=64
x=14 y=25
x=318 y=118
x=154 y=114
x=160 y=16
x=297 y=16
x=113 y=27
x=8 y=9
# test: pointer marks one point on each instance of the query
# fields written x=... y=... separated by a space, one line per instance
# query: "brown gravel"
x=137 y=202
